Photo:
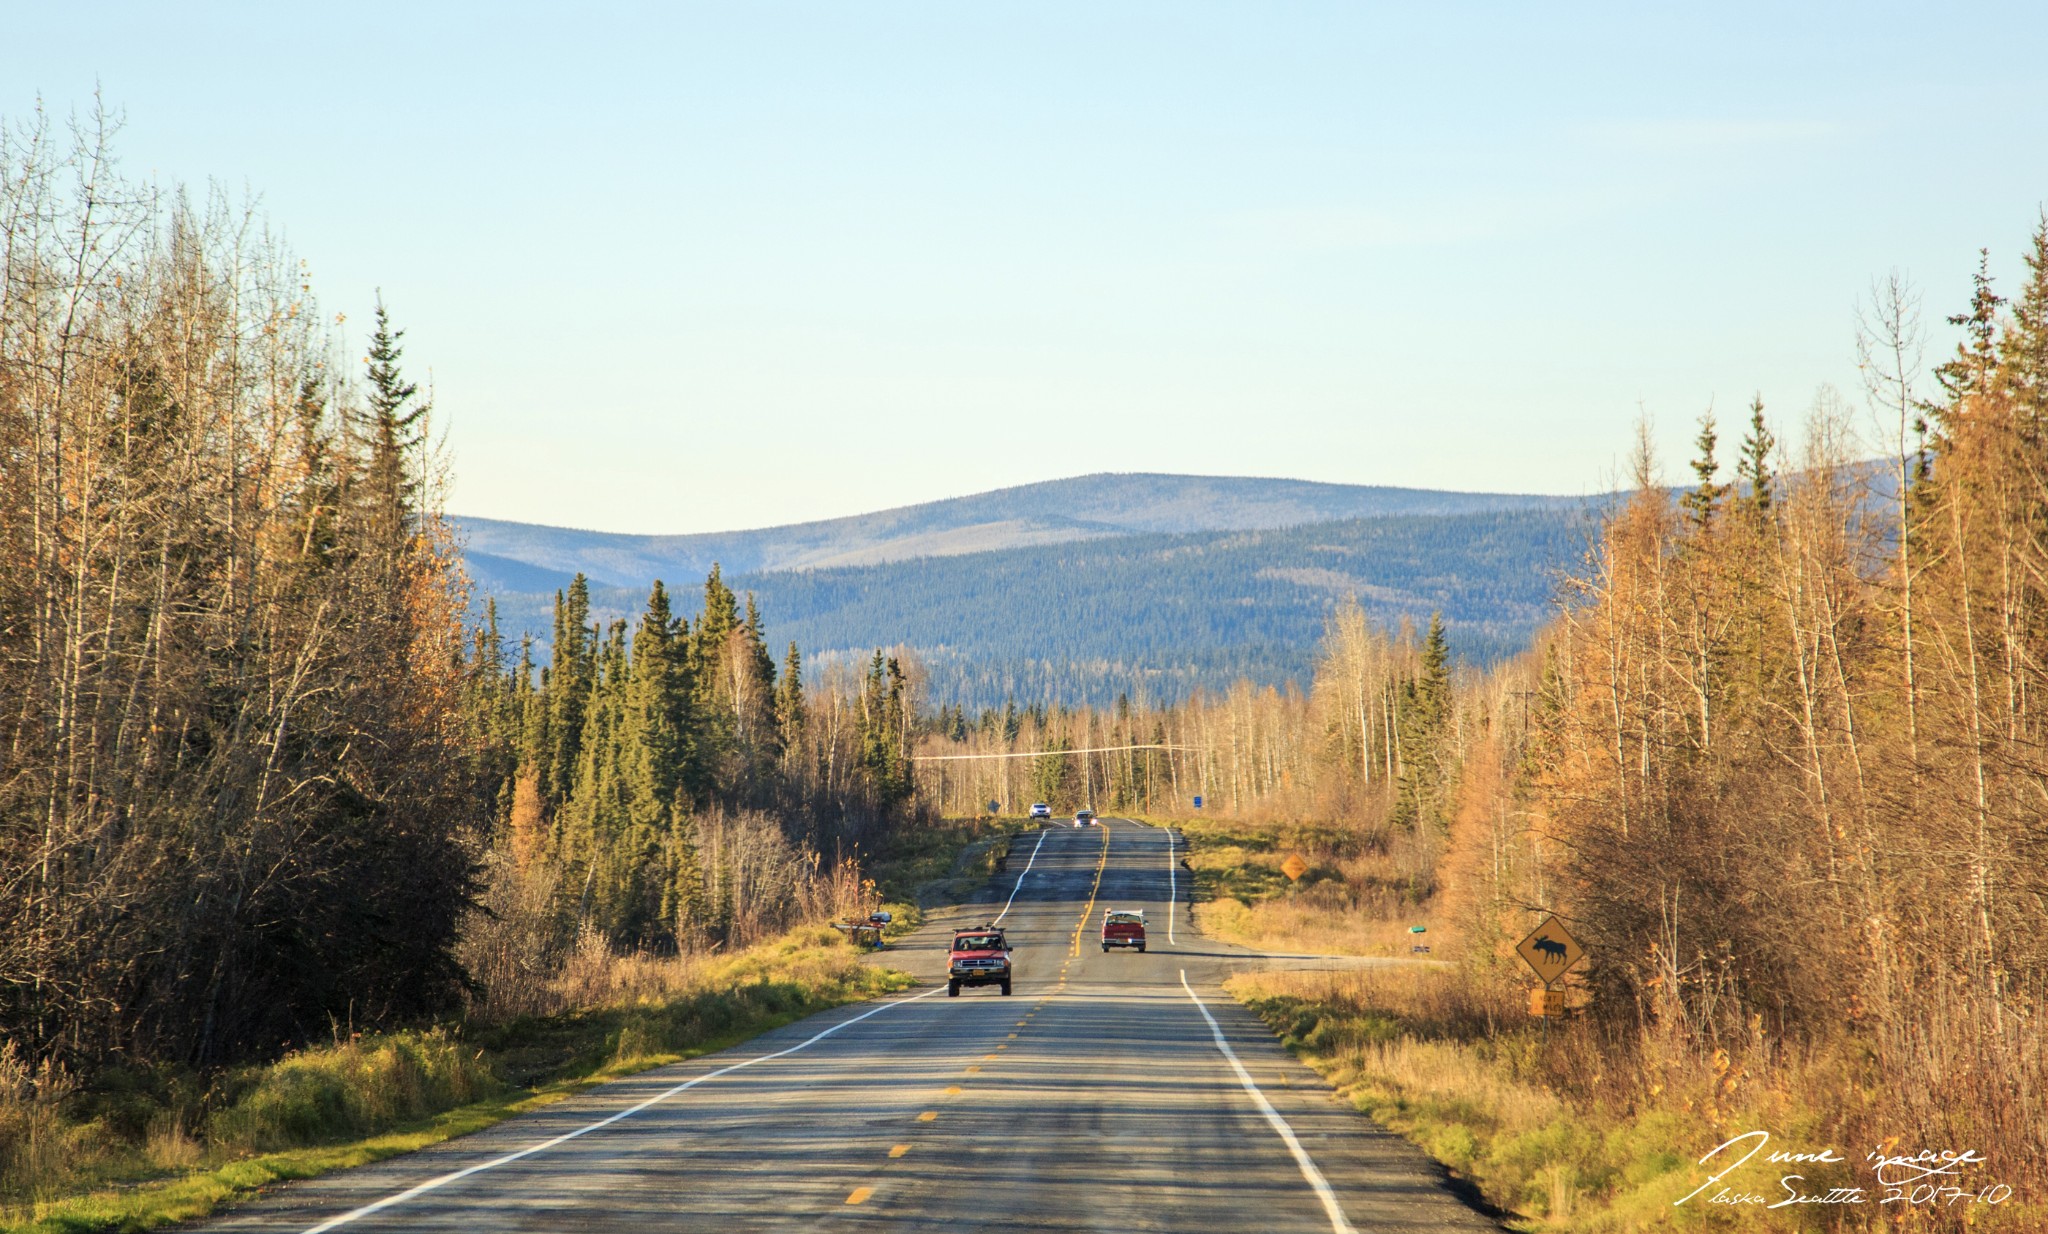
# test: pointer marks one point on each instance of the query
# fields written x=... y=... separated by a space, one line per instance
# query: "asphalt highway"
x=1113 y=1092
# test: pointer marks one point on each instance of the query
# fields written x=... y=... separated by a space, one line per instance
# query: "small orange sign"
x=1546 y=1002
x=1294 y=867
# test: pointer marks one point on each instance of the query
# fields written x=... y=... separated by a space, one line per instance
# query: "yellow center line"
x=974 y=1070
x=860 y=1195
x=1089 y=908
x=898 y=1151
x=927 y=1116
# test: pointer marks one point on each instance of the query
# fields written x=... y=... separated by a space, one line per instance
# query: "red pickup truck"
x=980 y=956
x=1123 y=927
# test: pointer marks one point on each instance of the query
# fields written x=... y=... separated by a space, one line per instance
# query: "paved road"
x=1117 y=1092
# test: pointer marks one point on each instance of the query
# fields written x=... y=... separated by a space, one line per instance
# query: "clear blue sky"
x=682 y=267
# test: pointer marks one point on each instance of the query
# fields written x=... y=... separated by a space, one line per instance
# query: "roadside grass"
x=149 y=1150
x=1570 y=1137
x=1352 y=899
x=940 y=862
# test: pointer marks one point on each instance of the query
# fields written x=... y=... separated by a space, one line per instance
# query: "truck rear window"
x=978 y=942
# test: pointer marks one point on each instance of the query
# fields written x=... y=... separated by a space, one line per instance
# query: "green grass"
x=375 y=1097
x=939 y=862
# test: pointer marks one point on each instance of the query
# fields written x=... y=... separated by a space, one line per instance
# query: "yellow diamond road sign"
x=1294 y=867
x=1550 y=949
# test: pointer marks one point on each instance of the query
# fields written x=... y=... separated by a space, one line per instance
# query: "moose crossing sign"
x=1550 y=950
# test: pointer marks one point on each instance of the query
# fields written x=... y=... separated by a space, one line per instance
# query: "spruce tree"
x=1754 y=468
x=1425 y=735
x=791 y=715
x=568 y=687
x=396 y=431
x=1705 y=497
x=1969 y=372
x=2023 y=349
x=714 y=723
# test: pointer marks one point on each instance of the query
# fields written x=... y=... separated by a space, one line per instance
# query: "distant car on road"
x=1041 y=810
x=1084 y=817
x=1123 y=927
x=979 y=956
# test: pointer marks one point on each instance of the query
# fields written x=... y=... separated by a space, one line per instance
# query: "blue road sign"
x=1198 y=803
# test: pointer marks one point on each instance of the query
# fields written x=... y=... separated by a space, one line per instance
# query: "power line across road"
x=1112 y=1091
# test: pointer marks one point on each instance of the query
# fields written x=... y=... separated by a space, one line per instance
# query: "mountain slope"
x=1155 y=614
x=1056 y=511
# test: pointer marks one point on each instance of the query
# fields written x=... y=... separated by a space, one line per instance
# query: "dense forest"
x=666 y=786
x=1373 y=739
x=257 y=776
x=237 y=801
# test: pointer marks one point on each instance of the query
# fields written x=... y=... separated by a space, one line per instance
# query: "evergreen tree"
x=884 y=761
x=396 y=431
x=715 y=722
x=569 y=683
x=1426 y=750
x=1754 y=468
x=2023 y=349
x=1052 y=774
x=1970 y=370
x=790 y=713
x=658 y=713
x=1705 y=496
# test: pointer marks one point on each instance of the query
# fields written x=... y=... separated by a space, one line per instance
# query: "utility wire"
x=954 y=758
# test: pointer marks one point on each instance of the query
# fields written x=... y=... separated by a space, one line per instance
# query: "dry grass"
x=1362 y=890
x=1581 y=1132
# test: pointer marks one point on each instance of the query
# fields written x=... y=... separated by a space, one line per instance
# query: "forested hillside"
x=507 y=556
x=1158 y=616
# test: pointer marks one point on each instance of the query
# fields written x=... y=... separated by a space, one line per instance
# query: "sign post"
x=1550 y=951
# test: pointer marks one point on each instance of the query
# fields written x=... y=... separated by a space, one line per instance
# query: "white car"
x=1084 y=817
x=1040 y=810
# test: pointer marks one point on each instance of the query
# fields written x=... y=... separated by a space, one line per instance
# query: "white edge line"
x=1338 y=1223
x=442 y=1181
x=1020 y=876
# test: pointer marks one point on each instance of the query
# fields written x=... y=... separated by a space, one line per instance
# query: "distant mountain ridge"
x=522 y=557
x=1086 y=588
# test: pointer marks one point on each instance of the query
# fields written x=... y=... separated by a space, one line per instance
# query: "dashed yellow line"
x=898 y=1151
x=927 y=1116
x=860 y=1195
x=1089 y=908
x=952 y=1090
